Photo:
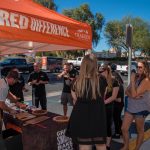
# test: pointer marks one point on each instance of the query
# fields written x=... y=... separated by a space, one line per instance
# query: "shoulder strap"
x=5 y=80
x=139 y=82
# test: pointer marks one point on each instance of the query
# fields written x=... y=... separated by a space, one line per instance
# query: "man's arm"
x=12 y=97
x=45 y=80
x=3 y=106
x=74 y=97
x=31 y=81
x=144 y=86
x=128 y=91
x=61 y=75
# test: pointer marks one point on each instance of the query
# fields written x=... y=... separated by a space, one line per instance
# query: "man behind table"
x=10 y=79
x=18 y=88
x=38 y=79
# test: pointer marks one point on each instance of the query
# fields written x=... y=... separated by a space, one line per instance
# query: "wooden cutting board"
x=24 y=116
x=36 y=120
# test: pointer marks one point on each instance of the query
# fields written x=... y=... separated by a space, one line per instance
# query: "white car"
x=76 y=62
x=123 y=69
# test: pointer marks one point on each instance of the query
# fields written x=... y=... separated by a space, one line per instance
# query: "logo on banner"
x=82 y=34
x=19 y=21
x=63 y=142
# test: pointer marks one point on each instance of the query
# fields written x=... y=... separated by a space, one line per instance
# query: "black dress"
x=87 y=123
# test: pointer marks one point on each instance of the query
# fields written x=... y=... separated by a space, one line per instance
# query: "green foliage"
x=84 y=14
x=46 y=54
x=115 y=32
x=47 y=3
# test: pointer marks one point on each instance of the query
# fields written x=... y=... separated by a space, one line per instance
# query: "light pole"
x=129 y=32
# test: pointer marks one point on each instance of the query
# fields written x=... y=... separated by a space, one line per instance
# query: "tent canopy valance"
x=26 y=25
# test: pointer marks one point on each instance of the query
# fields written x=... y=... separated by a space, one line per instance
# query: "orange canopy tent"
x=26 y=25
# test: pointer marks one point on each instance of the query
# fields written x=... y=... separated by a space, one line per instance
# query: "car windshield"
x=6 y=61
x=134 y=63
x=100 y=63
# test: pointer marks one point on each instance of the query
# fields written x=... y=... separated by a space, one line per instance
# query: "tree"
x=146 y=48
x=84 y=14
x=115 y=32
x=47 y=3
x=115 y=35
x=50 y=5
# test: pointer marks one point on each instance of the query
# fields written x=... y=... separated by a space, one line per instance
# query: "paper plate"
x=39 y=112
x=61 y=119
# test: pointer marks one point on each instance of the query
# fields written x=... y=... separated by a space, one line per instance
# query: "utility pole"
x=129 y=32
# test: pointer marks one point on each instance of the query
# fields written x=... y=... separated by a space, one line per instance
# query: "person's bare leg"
x=108 y=141
x=100 y=146
x=85 y=147
x=65 y=108
x=140 y=131
x=128 y=118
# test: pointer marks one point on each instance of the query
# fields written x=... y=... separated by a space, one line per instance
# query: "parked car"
x=123 y=69
x=10 y=62
x=100 y=63
x=52 y=64
x=76 y=62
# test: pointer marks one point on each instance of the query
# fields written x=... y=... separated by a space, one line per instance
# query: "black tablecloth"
x=47 y=135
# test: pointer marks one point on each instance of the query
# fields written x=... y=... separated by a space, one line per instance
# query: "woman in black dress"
x=87 y=124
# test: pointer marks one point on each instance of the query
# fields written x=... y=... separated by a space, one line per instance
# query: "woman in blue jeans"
x=138 y=93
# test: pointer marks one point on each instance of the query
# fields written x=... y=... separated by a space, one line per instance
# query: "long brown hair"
x=146 y=73
x=109 y=78
x=88 y=70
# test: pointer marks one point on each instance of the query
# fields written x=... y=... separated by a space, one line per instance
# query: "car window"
x=79 y=59
x=134 y=63
x=6 y=60
x=20 y=62
x=13 y=62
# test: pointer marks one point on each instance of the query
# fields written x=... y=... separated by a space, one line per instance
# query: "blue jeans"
x=143 y=114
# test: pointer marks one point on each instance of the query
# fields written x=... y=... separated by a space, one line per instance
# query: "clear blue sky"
x=111 y=10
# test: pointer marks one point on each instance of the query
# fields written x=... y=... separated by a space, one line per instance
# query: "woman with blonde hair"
x=110 y=96
x=87 y=123
x=138 y=108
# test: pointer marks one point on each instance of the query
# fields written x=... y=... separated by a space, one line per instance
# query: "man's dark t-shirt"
x=17 y=88
x=38 y=76
x=68 y=82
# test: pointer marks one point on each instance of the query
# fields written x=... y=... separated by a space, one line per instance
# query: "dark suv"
x=20 y=63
